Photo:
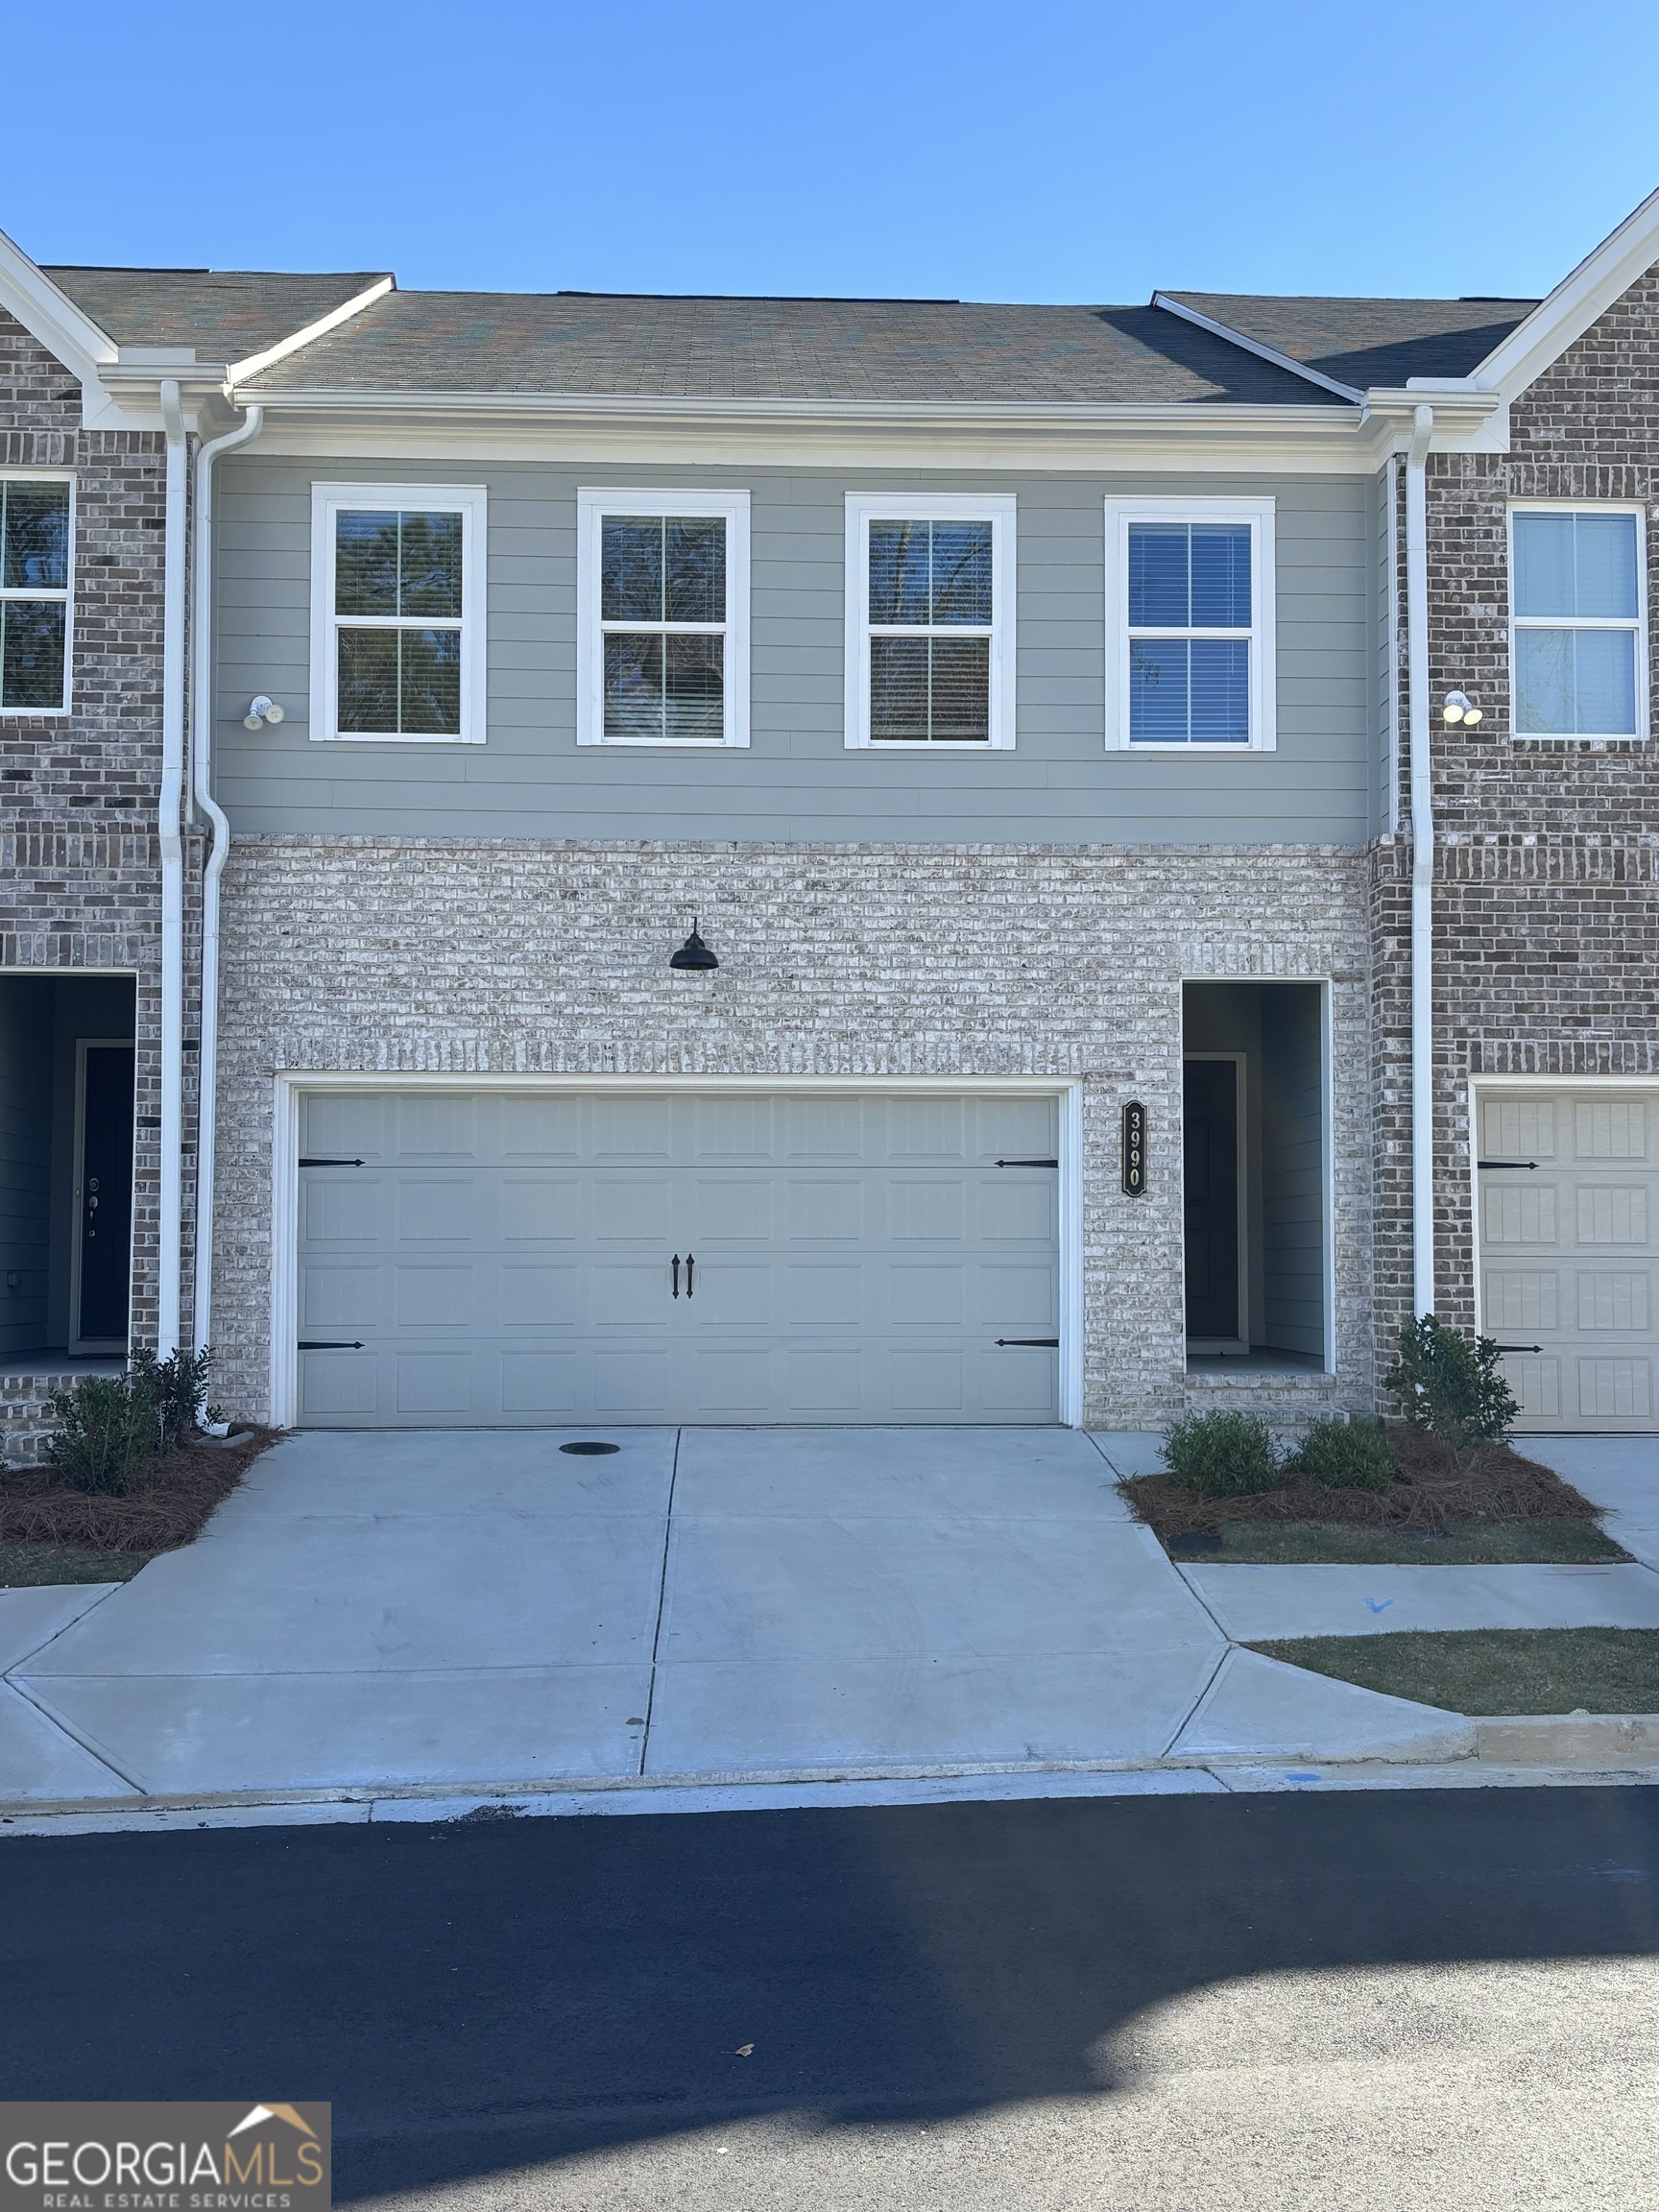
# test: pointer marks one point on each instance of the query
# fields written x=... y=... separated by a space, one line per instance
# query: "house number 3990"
x=1134 y=1149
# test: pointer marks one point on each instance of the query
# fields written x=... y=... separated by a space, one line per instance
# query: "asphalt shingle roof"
x=226 y=314
x=707 y=349
x=1368 y=342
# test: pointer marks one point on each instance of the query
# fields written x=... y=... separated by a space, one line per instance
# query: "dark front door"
x=1210 y=1160
x=106 y=1191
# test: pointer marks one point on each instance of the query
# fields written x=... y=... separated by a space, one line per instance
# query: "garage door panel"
x=856 y=1258
x=1578 y=1171
x=345 y=1126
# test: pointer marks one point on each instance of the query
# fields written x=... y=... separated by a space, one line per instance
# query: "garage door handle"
x=1043 y=1344
x=1027 y=1163
x=311 y=1160
x=690 y=1274
x=1520 y=1347
x=675 y=1264
x=316 y=1344
x=1505 y=1163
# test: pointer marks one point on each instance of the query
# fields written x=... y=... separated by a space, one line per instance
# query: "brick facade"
x=1546 y=927
x=441 y=956
x=80 y=867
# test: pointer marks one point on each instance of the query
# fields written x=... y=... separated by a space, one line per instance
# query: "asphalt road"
x=1399 y=1999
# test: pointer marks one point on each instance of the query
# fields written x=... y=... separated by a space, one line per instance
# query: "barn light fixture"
x=1460 y=707
x=693 y=953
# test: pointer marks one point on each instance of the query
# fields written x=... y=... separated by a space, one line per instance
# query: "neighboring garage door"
x=526 y=1258
x=1569 y=1209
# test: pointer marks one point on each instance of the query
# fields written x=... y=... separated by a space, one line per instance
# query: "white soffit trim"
x=1173 y=307
x=312 y=331
x=51 y=316
x=1576 y=302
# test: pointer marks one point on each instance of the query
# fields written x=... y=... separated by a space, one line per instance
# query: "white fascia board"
x=1576 y=302
x=238 y=371
x=1173 y=307
x=50 y=315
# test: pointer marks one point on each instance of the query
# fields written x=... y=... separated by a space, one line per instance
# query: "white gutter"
x=171 y=1200
x=202 y=771
x=1422 y=865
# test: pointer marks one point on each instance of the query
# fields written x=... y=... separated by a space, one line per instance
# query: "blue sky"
x=1024 y=151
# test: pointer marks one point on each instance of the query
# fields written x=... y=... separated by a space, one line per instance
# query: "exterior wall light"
x=1460 y=707
x=693 y=953
x=261 y=711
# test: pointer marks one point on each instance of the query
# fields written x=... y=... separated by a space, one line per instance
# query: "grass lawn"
x=1354 y=1543
x=1494 y=1669
x=26 y=1565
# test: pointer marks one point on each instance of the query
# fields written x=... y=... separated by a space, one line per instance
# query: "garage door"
x=524 y=1258
x=1569 y=1208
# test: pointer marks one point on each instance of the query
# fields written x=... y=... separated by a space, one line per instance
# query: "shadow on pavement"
x=476 y=1997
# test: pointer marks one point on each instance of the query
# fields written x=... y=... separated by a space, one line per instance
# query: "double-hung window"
x=397 y=613
x=662 y=617
x=35 y=529
x=929 y=622
x=1578 y=622
x=1190 y=624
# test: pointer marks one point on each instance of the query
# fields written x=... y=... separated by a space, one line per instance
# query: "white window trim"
x=1002 y=513
x=1264 y=593
x=471 y=501
x=593 y=505
x=1637 y=622
x=66 y=595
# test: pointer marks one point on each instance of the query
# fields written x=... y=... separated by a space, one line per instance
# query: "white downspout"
x=1422 y=866
x=201 y=773
x=171 y=1201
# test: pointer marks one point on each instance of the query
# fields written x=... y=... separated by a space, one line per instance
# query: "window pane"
x=1158 y=686
x=1605 y=549
x=365 y=563
x=1604 y=682
x=429 y=565
x=901 y=557
x=693 y=690
x=430 y=682
x=1159 y=594
x=961 y=706
x=961 y=572
x=693 y=571
x=1568 y=564
x=1220 y=576
x=368 y=701
x=1219 y=686
x=32 y=653
x=36 y=532
x=631 y=569
x=899 y=686
x=632 y=687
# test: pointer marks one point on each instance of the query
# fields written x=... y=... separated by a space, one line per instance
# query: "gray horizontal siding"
x=797 y=780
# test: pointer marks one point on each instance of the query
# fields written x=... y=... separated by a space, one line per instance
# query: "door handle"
x=690 y=1272
x=675 y=1264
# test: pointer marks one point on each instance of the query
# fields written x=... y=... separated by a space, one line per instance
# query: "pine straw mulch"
x=1430 y=1492
x=37 y=1506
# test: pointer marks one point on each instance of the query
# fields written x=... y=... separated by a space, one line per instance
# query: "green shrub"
x=1448 y=1386
x=1344 y=1455
x=108 y=1434
x=113 y=1428
x=1222 y=1454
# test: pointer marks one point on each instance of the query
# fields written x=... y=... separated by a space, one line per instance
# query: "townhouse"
x=577 y=859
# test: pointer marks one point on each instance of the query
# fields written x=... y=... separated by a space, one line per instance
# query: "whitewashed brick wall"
x=451 y=956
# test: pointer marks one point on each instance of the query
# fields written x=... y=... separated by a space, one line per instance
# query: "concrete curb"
x=1569 y=1740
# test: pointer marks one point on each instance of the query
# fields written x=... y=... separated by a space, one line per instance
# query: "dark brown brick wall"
x=79 y=869
x=1547 y=926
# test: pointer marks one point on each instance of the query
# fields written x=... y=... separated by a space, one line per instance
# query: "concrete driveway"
x=482 y=1606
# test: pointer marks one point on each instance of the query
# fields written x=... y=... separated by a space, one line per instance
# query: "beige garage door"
x=524 y=1259
x=1569 y=1209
